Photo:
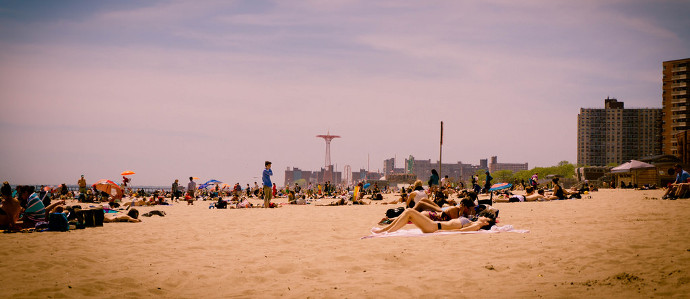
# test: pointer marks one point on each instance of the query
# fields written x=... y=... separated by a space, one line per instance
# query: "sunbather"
x=132 y=216
x=429 y=226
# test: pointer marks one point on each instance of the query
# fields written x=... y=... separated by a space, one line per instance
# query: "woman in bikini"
x=429 y=226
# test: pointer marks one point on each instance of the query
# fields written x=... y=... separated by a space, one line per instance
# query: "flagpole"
x=440 y=154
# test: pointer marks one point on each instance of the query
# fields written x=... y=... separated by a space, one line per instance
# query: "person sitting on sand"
x=10 y=208
x=242 y=204
x=558 y=192
x=416 y=195
x=679 y=186
x=221 y=203
x=429 y=226
x=35 y=213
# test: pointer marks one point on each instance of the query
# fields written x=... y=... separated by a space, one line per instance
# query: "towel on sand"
x=415 y=232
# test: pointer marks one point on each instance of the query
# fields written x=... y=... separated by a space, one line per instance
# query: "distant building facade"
x=675 y=104
x=514 y=167
x=458 y=171
x=389 y=167
x=292 y=175
x=615 y=134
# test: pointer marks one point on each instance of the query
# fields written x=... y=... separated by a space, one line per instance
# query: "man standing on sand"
x=487 y=183
x=82 y=185
x=266 y=178
x=191 y=187
x=175 y=189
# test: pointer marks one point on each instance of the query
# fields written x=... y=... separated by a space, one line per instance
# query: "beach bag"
x=392 y=213
x=58 y=222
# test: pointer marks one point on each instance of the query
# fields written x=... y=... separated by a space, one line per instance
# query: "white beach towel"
x=415 y=232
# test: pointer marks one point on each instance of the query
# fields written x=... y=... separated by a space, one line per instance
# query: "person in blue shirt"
x=676 y=189
x=682 y=176
x=266 y=178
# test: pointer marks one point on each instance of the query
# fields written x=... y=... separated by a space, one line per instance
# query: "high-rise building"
x=675 y=103
x=615 y=134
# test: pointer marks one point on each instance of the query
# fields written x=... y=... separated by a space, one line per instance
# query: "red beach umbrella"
x=109 y=187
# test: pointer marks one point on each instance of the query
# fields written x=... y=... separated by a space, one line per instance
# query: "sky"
x=212 y=89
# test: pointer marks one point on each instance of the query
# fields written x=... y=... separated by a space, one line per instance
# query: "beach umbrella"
x=366 y=185
x=212 y=182
x=109 y=187
x=195 y=178
x=631 y=165
x=500 y=186
x=128 y=172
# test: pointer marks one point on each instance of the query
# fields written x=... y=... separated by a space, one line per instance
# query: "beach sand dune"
x=616 y=244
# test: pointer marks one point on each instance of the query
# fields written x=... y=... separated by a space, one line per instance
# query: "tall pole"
x=440 y=153
x=328 y=169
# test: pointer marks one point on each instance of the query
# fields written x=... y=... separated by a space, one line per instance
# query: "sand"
x=616 y=244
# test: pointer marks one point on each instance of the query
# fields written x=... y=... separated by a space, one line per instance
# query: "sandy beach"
x=616 y=244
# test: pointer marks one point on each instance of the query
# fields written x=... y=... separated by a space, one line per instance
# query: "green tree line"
x=564 y=169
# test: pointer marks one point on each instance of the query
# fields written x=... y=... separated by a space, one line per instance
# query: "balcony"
x=680 y=69
x=684 y=84
x=679 y=77
x=679 y=93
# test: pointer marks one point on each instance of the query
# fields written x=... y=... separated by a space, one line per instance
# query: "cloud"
x=218 y=87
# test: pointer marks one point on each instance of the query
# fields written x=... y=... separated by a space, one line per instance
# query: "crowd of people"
x=25 y=208
x=442 y=202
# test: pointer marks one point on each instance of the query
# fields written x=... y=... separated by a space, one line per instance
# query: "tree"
x=301 y=182
x=503 y=176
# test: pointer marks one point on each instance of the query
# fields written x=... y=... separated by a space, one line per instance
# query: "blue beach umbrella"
x=366 y=185
x=212 y=182
x=500 y=186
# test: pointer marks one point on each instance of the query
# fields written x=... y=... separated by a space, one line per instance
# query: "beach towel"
x=415 y=232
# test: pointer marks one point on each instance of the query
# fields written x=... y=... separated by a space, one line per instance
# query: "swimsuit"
x=438 y=217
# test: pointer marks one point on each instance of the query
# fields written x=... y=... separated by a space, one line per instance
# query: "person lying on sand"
x=401 y=199
x=429 y=226
x=344 y=200
x=539 y=196
x=139 y=202
x=132 y=216
x=430 y=210
x=300 y=200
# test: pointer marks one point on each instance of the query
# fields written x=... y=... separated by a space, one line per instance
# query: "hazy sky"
x=172 y=89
